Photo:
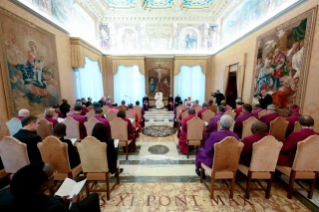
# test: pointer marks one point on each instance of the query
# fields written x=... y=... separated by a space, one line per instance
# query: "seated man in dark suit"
x=28 y=136
x=26 y=193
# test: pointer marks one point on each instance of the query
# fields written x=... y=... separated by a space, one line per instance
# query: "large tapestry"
x=159 y=76
x=282 y=59
x=29 y=65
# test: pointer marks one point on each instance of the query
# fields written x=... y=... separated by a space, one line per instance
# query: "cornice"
x=78 y=41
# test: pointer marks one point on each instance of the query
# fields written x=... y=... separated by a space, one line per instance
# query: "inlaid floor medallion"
x=158 y=149
x=158 y=131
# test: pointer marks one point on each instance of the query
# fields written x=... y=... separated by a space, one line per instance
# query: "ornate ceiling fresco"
x=159 y=26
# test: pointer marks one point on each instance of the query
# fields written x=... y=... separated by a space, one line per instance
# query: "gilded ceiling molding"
x=81 y=49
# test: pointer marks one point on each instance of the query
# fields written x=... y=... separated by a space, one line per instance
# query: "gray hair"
x=238 y=100
x=263 y=91
x=24 y=112
x=272 y=107
x=226 y=121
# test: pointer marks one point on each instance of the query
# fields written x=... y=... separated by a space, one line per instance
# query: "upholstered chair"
x=55 y=153
x=305 y=166
x=94 y=164
x=247 y=126
x=278 y=128
x=229 y=148
x=119 y=131
x=14 y=155
x=90 y=114
x=110 y=116
x=213 y=108
x=131 y=115
x=198 y=108
x=55 y=116
x=297 y=127
x=89 y=125
x=184 y=115
x=72 y=128
x=262 y=113
x=45 y=128
x=139 y=112
x=14 y=125
x=219 y=126
x=178 y=112
x=91 y=107
x=263 y=164
x=70 y=113
x=105 y=108
x=231 y=113
x=195 y=128
x=207 y=115
x=229 y=107
x=121 y=107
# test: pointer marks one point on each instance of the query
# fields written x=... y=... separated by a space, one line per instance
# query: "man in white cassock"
x=159 y=100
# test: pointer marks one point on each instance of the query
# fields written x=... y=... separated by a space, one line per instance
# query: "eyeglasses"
x=54 y=172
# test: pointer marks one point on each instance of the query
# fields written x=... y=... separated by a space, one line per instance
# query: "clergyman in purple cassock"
x=238 y=129
x=206 y=155
x=294 y=111
x=183 y=136
x=271 y=114
x=199 y=114
x=257 y=109
x=212 y=124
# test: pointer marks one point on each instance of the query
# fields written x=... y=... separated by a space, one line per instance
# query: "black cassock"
x=170 y=99
x=177 y=101
x=146 y=106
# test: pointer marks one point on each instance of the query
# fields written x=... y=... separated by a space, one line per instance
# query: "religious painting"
x=247 y=14
x=282 y=59
x=159 y=76
x=29 y=65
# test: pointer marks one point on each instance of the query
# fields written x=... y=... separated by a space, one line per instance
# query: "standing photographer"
x=219 y=97
x=264 y=99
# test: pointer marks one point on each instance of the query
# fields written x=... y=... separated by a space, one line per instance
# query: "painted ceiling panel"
x=120 y=2
x=158 y=2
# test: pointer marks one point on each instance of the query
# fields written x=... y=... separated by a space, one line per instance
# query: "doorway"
x=231 y=92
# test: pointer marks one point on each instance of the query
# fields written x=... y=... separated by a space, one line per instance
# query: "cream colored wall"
x=66 y=74
x=234 y=54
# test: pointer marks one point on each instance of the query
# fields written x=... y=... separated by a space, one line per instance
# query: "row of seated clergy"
x=246 y=114
x=27 y=193
x=130 y=129
x=183 y=135
x=188 y=106
x=259 y=130
x=80 y=118
x=137 y=123
x=212 y=125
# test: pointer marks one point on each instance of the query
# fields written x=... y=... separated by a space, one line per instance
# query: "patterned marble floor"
x=167 y=182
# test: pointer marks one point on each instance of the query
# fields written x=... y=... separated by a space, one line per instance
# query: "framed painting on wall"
x=282 y=61
x=29 y=65
x=159 y=77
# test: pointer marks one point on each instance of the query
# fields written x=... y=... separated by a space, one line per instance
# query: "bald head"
x=191 y=111
x=306 y=121
x=24 y=112
x=259 y=127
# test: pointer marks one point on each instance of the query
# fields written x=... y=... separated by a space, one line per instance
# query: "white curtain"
x=129 y=85
x=190 y=82
x=88 y=81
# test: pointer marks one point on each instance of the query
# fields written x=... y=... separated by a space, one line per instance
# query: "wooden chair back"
x=55 y=153
x=93 y=155
x=265 y=154
x=247 y=126
x=45 y=128
x=90 y=114
x=229 y=107
x=207 y=115
x=110 y=116
x=130 y=114
x=306 y=155
x=184 y=115
x=213 y=108
x=231 y=113
x=297 y=127
x=178 y=110
x=121 y=107
x=14 y=125
x=278 y=128
x=119 y=129
x=219 y=126
x=14 y=154
x=138 y=109
x=55 y=116
x=262 y=113
x=70 y=113
x=227 y=154
x=105 y=108
x=72 y=128
x=89 y=125
x=91 y=107
x=195 y=128
x=197 y=108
